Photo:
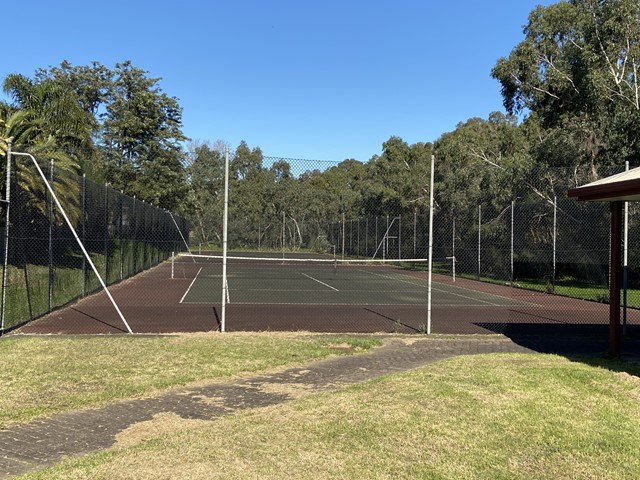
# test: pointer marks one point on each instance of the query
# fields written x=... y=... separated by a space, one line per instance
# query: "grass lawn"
x=567 y=287
x=497 y=416
x=46 y=375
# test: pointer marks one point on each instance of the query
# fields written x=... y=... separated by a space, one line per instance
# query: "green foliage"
x=116 y=125
x=576 y=72
x=573 y=79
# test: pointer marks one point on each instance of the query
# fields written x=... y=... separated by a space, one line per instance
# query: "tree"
x=399 y=178
x=25 y=134
x=57 y=111
x=141 y=138
x=117 y=125
x=205 y=172
x=577 y=71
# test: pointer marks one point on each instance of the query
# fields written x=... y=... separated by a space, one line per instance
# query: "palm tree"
x=59 y=111
x=25 y=133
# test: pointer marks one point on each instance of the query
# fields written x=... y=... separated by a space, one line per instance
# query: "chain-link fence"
x=43 y=266
x=528 y=258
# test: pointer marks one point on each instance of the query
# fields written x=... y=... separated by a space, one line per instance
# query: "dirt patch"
x=161 y=423
x=292 y=390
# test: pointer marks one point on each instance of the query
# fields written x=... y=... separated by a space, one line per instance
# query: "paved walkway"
x=31 y=446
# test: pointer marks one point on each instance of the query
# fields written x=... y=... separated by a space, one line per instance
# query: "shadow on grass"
x=585 y=343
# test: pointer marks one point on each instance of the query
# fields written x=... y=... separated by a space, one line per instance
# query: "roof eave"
x=628 y=190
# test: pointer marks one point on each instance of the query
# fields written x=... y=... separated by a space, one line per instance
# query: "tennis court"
x=318 y=281
x=325 y=296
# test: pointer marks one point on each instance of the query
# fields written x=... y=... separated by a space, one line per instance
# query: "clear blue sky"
x=324 y=79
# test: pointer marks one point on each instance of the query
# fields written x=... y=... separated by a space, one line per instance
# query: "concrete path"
x=32 y=446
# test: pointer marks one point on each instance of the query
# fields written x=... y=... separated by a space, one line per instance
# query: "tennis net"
x=278 y=266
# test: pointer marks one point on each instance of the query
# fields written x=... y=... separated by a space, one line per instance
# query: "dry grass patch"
x=46 y=375
x=162 y=423
x=475 y=417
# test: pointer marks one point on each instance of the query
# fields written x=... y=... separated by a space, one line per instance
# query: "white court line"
x=321 y=283
x=436 y=289
x=191 y=285
x=394 y=278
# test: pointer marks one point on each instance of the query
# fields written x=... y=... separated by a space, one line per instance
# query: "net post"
x=453 y=260
x=453 y=247
x=173 y=263
x=75 y=235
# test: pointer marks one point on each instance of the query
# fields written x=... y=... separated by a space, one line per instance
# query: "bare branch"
x=538 y=89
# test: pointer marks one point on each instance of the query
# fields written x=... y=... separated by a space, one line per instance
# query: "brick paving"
x=32 y=446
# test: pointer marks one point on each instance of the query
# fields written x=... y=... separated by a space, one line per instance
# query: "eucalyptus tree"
x=205 y=176
x=398 y=178
x=252 y=210
x=577 y=71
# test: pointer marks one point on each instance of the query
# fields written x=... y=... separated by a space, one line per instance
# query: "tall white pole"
x=430 y=263
x=73 y=231
x=5 y=264
x=225 y=225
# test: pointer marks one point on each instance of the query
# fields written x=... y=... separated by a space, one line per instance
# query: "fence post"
x=284 y=220
x=5 y=260
x=400 y=237
x=84 y=232
x=358 y=254
x=385 y=246
x=479 y=236
x=106 y=233
x=134 y=234
x=120 y=236
x=50 y=212
x=343 y=235
x=512 y=233
x=366 y=237
x=555 y=239
x=625 y=263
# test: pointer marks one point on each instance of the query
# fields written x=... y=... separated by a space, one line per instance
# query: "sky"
x=322 y=80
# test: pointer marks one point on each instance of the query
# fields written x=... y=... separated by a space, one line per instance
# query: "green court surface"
x=327 y=285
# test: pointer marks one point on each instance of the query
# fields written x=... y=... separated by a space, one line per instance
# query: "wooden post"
x=615 y=281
